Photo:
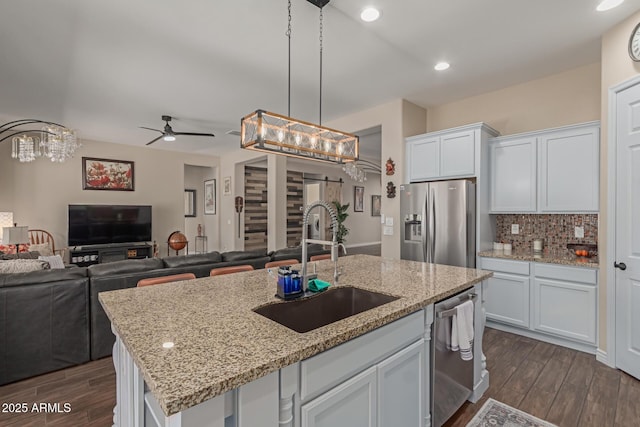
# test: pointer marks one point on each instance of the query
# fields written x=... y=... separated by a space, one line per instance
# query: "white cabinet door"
x=400 y=387
x=565 y=308
x=507 y=299
x=352 y=403
x=513 y=175
x=570 y=170
x=457 y=154
x=424 y=159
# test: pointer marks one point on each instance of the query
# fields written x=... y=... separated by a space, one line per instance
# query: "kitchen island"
x=203 y=353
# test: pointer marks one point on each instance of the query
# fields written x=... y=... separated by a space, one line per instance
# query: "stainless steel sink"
x=320 y=310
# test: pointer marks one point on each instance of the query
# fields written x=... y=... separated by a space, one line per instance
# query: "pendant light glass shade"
x=270 y=132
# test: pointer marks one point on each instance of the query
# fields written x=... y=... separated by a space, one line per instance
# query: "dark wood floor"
x=556 y=384
x=90 y=389
x=562 y=386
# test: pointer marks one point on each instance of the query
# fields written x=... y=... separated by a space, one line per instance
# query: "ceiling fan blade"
x=154 y=140
x=157 y=130
x=194 y=134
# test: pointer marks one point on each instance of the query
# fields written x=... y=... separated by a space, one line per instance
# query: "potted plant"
x=341 y=213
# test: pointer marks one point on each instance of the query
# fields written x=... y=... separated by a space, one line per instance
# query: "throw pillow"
x=22 y=266
x=43 y=248
x=55 y=261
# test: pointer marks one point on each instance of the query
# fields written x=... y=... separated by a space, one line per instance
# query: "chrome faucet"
x=334 y=242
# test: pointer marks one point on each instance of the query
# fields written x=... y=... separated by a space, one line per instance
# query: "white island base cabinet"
x=379 y=379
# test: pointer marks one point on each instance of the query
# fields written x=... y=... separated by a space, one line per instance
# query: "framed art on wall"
x=107 y=174
x=226 y=186
x=358 y=199
x=190 y=203
x=376 y=202
x=210 y=197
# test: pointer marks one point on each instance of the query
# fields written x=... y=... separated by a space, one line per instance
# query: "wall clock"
x=634 y=44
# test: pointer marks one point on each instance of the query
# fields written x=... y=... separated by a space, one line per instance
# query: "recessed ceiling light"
x=441 y=66
x=608 y=4
x=370 y=14
x=167 y=344
x=169 y=138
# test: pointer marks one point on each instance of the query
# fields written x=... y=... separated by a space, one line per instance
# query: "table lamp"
x=6 y=220
x=15 y=236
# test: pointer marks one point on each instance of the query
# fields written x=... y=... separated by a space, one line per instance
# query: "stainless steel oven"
x=452 y=380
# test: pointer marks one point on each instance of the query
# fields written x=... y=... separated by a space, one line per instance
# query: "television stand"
x=84 y=256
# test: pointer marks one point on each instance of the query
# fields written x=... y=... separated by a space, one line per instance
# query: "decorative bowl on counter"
x=583 y=250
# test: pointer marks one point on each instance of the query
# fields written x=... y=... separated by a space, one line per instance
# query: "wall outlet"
x=515 y=228
x=579 y=232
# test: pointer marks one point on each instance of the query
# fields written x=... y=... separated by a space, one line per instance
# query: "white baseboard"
x=357 y=245
x=603 y=357
x=586 y=348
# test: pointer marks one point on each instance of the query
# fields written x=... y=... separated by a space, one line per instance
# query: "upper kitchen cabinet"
x=550 y=171
x=451 y=153
x=570 y=169
x=513 y=174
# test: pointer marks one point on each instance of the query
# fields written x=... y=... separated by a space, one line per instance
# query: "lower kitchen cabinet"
x=390 y=393
x=508 y=299
x=352 y=403
x=556 y=303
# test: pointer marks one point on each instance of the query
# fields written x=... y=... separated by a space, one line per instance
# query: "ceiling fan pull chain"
x=320 y=108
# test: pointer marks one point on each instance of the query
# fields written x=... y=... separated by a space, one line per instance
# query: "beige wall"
x=398 y=119
x=42 y=190
x=561 y=99
x=616 y=68
x=194 y=178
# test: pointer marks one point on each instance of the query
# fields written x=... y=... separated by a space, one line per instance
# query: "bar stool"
x=320 y=257
x=165 y=279
x=228 y=270
x=281 y=263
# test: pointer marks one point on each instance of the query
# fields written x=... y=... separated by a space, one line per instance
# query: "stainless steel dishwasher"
x=452 y=380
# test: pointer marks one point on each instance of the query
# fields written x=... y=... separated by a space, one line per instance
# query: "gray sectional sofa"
x=52 y=319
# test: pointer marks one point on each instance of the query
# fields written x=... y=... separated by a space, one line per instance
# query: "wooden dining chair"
x=38 y=237
x=320 y=257
x=228 y=270
x=165 y=279
x=281 y=263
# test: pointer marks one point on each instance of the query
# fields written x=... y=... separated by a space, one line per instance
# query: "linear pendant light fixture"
x=279 y=134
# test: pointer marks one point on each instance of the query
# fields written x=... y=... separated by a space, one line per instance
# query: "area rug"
x=494 y=413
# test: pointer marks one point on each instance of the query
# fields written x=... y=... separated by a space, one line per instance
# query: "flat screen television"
x=105 y=224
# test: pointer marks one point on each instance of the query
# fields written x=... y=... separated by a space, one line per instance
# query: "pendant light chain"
x=321 y=19
x=288 y=33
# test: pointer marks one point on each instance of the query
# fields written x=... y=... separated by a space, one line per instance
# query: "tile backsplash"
x=555 y=230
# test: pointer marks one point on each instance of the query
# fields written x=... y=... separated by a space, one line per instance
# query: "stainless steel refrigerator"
x=438 y=222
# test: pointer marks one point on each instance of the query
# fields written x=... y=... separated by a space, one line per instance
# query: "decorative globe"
x=177 y=241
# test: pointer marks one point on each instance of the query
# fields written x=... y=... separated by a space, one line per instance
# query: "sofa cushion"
x=296 y=252
x=43 y=248
x=42 y=276
x=125 y=266
x=22 y=266
x=21 y=255
x=188 y=260
x=243 y=255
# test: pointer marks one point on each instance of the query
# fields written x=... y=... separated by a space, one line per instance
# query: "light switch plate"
x=579 y=232
x=515 y=228
x=382 y=219
x=387 y=231
x=389 y=221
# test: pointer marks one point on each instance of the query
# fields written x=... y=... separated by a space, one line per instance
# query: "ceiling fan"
x=168 y=133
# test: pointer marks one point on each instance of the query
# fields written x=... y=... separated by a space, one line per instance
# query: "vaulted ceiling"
x=108 y=67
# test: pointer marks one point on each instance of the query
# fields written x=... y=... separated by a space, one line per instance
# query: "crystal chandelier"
x=53 y=141
x=357 y=171
x=275 y=133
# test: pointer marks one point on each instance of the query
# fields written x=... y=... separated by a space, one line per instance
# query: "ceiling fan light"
x=169 y=138
x=370 y=14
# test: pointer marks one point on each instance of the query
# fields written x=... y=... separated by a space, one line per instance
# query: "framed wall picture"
x=376 y=202
x=107 y=174
x=190 y=203
x=358 y=199
x=210 y=197
x=226 y=186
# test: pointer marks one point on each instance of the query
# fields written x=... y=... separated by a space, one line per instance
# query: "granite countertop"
x=221 y=344
x=564 y=258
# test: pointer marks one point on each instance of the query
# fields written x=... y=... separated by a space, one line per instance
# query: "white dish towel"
x=462 y=330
